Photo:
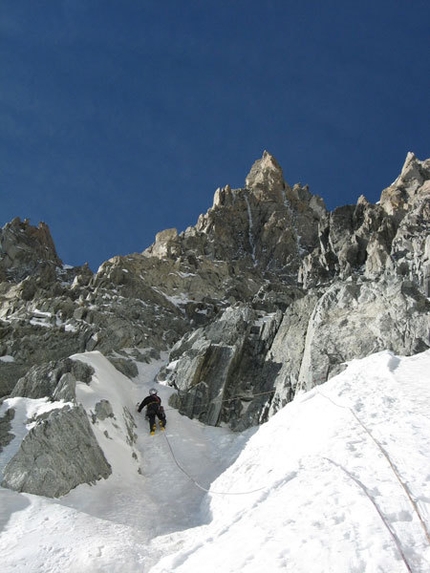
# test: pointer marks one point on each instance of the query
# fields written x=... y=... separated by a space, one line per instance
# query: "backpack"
x=155 y=404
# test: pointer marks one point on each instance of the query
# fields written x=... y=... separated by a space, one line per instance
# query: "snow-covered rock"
x=56 y=424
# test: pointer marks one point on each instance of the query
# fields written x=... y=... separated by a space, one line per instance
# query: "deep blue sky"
x=119 y=119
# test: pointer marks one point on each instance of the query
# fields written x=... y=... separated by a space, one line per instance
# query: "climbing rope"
x=378 y=510
x=221 y=400
x=387 y=457
x=197 y=484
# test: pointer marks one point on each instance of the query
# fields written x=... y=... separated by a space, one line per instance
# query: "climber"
x=153 y=409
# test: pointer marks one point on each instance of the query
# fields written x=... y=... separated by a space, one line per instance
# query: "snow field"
x=336 y=482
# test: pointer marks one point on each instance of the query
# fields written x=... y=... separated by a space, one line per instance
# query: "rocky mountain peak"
x=414 y=172
x=266 y=179
x=264 y=227
x=165 y=242
x=26 y=250
x=412 y=184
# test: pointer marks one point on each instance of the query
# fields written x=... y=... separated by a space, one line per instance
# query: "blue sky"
x=119 y=119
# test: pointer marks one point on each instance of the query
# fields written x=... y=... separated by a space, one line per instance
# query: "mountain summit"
x=267 y=177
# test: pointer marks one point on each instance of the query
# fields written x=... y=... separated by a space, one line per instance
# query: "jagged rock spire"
x=412 y=184
x=266 y=177
x=26 y=250
x=414 y=172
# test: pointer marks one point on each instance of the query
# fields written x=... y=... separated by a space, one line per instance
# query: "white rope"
x=197 y=484
x=387 y=457
x=381 y=515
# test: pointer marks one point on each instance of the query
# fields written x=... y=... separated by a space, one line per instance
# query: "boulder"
x=59 y=453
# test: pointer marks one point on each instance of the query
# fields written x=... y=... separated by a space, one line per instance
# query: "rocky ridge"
x=267 y=295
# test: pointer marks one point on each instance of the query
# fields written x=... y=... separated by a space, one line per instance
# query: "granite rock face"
x=221 y=371
x=389 y=238
x=361 y=276
x=261 y=230
x=60 y=450
x=55 y=443
x=59 y=453
x=248 y=363
x=26 y=250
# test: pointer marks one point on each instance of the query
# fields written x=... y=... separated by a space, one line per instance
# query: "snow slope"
x=336 y=482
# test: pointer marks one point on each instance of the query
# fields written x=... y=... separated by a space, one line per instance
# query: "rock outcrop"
x=261 y=230
x=59 y=453
x=26 y=250
x=53 y=441
x=220 y=371
x=389 y=238
x=248 y=364
x=60 y=450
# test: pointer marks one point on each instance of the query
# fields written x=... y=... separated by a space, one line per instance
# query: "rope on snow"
x=197 y=484
x=381 y=515
x=390 y=462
